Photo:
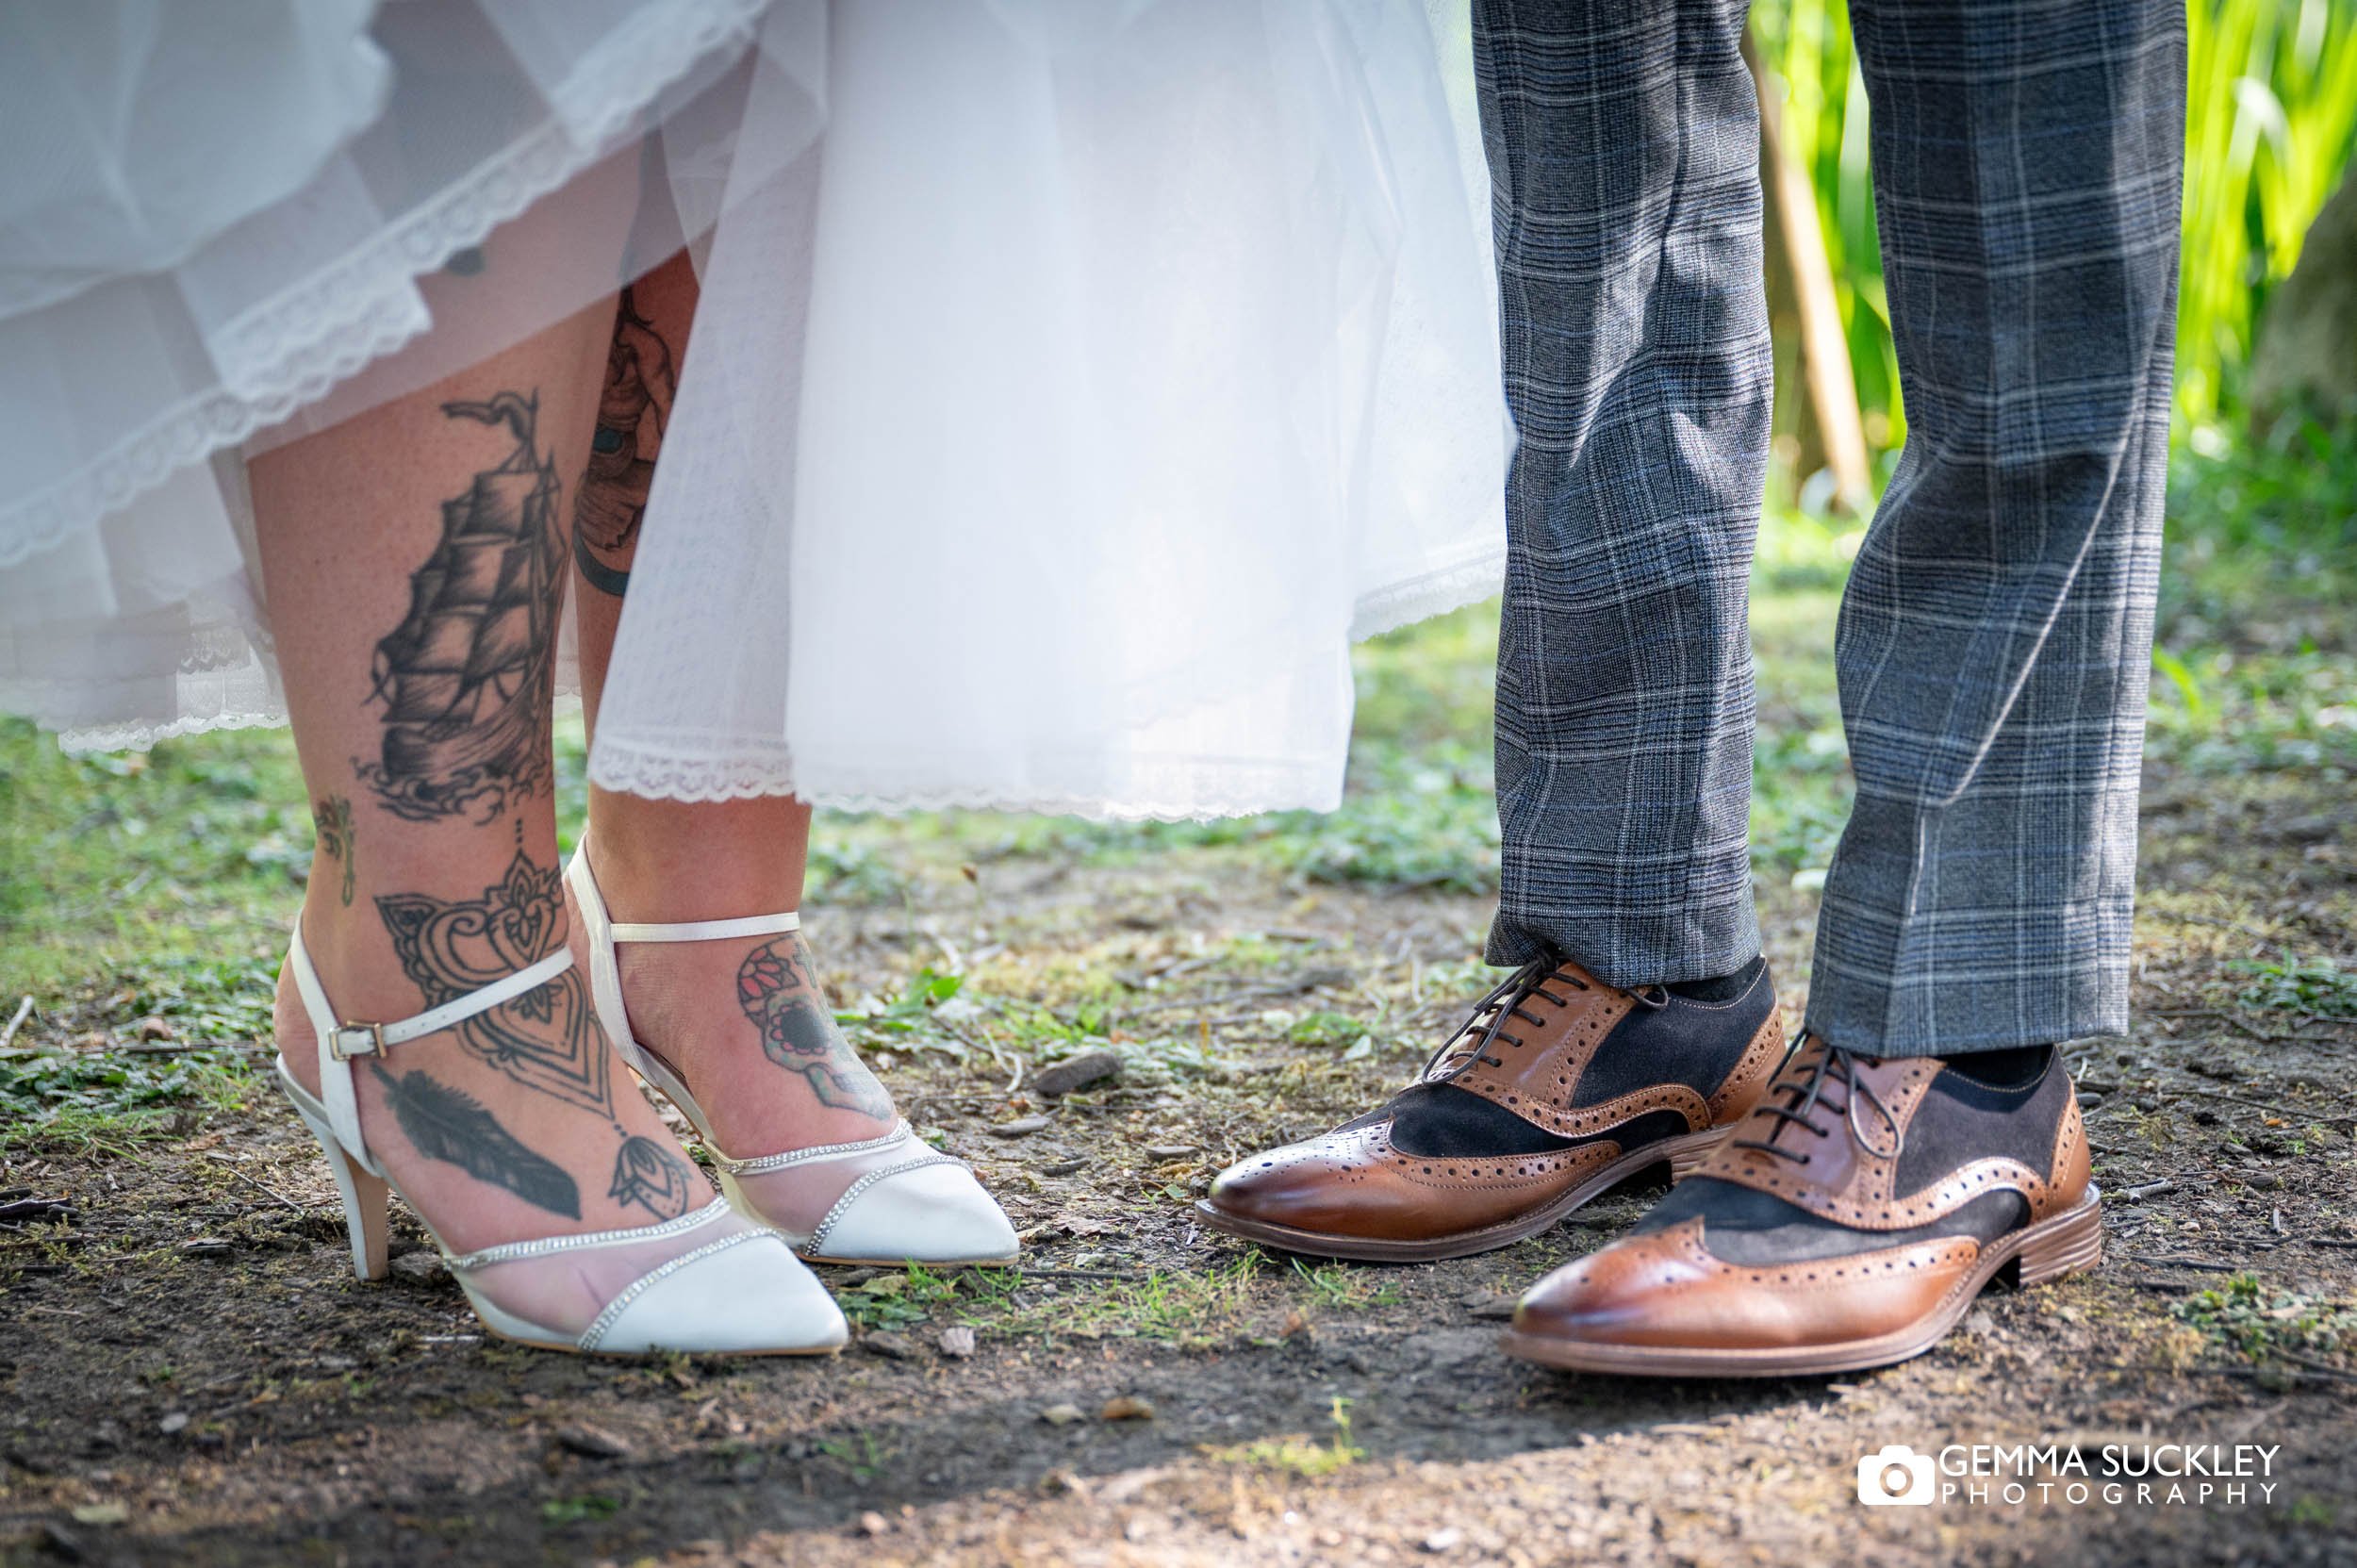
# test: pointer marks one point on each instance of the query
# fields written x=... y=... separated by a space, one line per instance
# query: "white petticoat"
x=1071 y=381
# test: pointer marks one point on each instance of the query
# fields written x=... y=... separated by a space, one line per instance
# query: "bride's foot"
x=566 y=1208
x=727 y=1017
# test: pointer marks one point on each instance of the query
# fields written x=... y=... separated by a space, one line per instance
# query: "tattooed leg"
x=415 y=558
x=644 y=356
x=791 y=1080
x=642 y=380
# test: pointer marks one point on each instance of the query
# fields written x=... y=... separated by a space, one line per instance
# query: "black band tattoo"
x=642 y=380
x=780 y=995
x=444 y=1124
x=548 y=1039
x=331 y=820
x=596 y=572
x=466 y=679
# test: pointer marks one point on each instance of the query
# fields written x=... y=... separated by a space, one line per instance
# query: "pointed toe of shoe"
x=1658 y=1290
x=936 y=1214
x=1334 y=1187
x=1267 y=1190
x=749 y=1297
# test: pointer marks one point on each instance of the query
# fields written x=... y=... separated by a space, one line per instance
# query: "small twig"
x=229 y=1165
x=2226 y=1017
x=2340 y=1114
x=1029 y=1274
x=2151 y=1189
x=2331 y=1240
x=179 y=1047
x=1292 y=988
x=23 y=1011
x=2204 y=1265
x=2330 y=1374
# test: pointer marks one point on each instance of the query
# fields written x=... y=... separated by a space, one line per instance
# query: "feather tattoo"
x=446 y=1125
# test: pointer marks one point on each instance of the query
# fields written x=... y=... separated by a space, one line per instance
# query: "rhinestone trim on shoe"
x=761 y=1165
x=509 y=1252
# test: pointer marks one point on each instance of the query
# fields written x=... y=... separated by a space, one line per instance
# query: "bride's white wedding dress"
x=1072 y=380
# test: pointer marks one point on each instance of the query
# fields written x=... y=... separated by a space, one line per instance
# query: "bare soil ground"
x=191 y=1374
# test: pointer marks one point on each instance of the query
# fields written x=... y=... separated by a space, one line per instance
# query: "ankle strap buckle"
x=348 y=1040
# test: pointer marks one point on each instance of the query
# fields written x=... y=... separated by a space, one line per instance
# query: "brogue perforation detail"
x=1598 y=1118
x=1758 y=1061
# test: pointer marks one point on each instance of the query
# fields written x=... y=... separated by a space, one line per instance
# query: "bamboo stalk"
x=1824 y=343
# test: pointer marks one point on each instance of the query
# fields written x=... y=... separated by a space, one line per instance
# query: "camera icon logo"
x=1898 y=1475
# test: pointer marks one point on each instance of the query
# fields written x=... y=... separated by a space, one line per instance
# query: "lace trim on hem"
x=329 y=339
x=1176 y=791
x=1478 y=576
x=140 y=738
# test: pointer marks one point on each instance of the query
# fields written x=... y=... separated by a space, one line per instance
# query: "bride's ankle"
x=357 y=967
x=750 y=1030
x=666 y=861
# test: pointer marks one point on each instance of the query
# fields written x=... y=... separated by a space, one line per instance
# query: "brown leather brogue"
x=1849 y=1222
x=1556 y=1089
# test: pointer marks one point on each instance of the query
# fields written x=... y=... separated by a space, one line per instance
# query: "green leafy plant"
x=105 y=1100
x=2318 y=987
x=2260 y=1322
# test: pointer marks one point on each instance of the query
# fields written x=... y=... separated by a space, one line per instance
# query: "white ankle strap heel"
x=889 y=1199
x=704 y=1281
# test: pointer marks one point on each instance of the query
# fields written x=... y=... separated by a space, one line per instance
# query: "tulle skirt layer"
x=1070 y=384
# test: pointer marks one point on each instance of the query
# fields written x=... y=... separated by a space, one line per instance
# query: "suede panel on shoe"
x=1744 y=1226
x=1684 y=1041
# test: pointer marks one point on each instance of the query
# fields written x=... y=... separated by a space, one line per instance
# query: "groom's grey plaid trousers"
x=1994 y=644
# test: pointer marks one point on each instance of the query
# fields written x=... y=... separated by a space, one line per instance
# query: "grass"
x=2314 y=988
x=1245 y=1297
x=1296 y=1453
x=106 y=1101
x=2262 y=1322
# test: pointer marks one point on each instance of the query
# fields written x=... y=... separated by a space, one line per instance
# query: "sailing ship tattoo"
x=548 y=1039
x=780 y=995
x=641 y=379
x=467 y=678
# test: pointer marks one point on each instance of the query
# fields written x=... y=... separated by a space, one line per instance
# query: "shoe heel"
x=2065 y=1245
x=365 y=1200
x=1687 y=1161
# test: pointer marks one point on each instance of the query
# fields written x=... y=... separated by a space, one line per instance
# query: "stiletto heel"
x=365 y=1196
x=889 y=1199
x=705 y=1282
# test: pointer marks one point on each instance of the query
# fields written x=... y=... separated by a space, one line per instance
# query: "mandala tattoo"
x=548 y=1039
x=641 y=379
x=780 y=995
x=331 y=819
x=466 y=680
x=656 y=1180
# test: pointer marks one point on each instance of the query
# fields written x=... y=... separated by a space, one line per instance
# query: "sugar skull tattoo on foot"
x=780 y=995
